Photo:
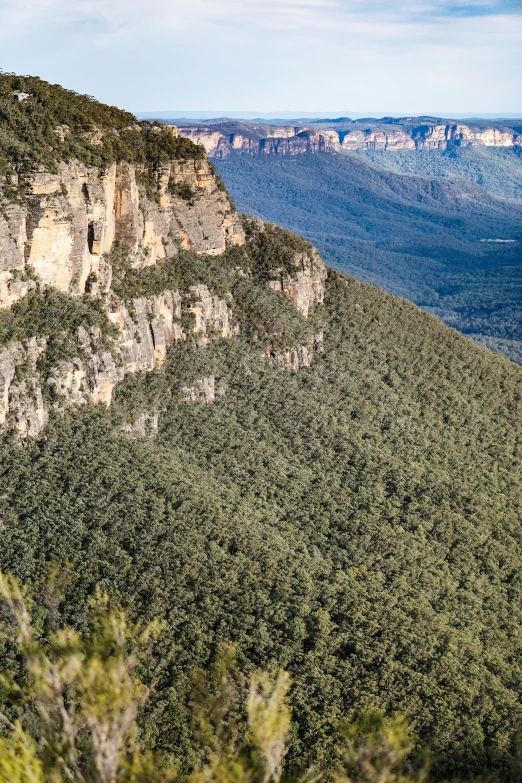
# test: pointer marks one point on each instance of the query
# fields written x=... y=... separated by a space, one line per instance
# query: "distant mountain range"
x=418 y=236
x=203 y=114
x=342 y=184
x=223 y=136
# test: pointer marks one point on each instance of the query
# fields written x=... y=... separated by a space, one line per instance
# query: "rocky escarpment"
x=59 y=226
x=62 y=237
x=144 y=329
x=304 y=284
x=117 y=241
x=257 y=139
x=426 y=137
x=221 y=140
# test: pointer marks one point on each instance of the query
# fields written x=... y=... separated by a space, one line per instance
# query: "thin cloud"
x=298 y=15
x=355 y=52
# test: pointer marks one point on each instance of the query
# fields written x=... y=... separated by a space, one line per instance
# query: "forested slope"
x=498 y=170
x=357 y=522
x=226 y=437
x=425 y=239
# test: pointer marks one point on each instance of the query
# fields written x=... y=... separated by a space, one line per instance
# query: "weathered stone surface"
x=12 y=237
x=146 y=335
x=444 y=136
x=145 y=425
x=21 y=401
x=204 y=390
x=72 y=218
x=146 y=329
x=206 y=222
x=13 y=288
x=212 y=315
x=263 y=139
x=299 y=356
x=378 y=139
x=64 y=231
x=303 y=141
x=306 y=285
x=293 y=358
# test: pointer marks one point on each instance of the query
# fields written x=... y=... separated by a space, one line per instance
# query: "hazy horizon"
x=286 y=115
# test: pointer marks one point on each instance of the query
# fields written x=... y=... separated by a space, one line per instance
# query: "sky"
x=372 y=57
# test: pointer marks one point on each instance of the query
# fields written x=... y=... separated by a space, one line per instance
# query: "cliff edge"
x=107 y=234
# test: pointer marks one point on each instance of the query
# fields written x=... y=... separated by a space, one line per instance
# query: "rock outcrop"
x=146 y=328
x=69 y=220
x=58 y=230
x=212 y=315
x=306 y=285
x=204 y=390
x=303 y=278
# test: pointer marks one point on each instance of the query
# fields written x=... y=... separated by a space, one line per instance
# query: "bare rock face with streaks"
x=303 y=280
x=60 y=235
x=306 y=285
x=69 y=220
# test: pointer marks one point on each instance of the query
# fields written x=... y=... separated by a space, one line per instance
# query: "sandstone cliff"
x=257 y=139
x=145 y=329
x=69 y=220
x=60 y=235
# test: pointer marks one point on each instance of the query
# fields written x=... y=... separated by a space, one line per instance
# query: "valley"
x=422 y=237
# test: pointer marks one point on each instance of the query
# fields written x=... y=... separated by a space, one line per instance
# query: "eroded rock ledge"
x=59 y=226
x=60 y=236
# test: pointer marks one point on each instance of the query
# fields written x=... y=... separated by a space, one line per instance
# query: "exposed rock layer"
x=144 y=329
x=306 y=285
x=58 y=231
x=259 y=139
x=69 y=220
x=143 y=338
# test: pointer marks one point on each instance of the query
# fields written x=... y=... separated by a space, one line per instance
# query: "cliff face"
x=61 y=234
x=145 y=329
x=305 y=285
x=70 y=220
x=255 y=139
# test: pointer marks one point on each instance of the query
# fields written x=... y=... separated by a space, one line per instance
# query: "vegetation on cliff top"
x=53 y=124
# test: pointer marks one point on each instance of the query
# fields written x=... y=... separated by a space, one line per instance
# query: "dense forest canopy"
x=497 y=169
x=357 y=522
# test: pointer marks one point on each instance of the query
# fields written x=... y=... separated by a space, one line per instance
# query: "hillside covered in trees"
x=320 y=474
x=357 y=522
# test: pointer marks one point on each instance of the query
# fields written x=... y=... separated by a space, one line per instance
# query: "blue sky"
x=368 y=56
